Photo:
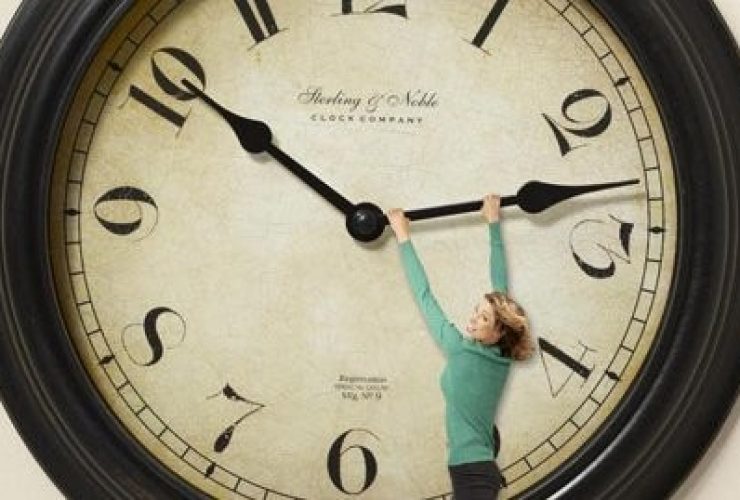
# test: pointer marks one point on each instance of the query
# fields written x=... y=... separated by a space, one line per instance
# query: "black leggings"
x=475 y=481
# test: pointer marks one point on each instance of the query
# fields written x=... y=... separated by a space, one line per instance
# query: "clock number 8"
x=581 y=128
x=334 y=463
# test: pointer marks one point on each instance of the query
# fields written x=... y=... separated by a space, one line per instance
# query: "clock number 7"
x=169 y=87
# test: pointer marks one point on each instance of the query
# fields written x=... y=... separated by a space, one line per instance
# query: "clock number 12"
x=399 y=9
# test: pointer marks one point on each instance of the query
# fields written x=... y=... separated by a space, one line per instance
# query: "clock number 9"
x=111 y=210
x=334 y=463
x=580 y=128
x=168 y=86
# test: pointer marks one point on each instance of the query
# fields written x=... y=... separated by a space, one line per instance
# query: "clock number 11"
x=252 y=19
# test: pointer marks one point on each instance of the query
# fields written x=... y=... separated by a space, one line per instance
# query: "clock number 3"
x=168 y=86
x=593 y=270
x=586 y=128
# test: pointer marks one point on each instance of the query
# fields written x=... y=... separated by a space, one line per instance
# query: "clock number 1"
x=485 y=31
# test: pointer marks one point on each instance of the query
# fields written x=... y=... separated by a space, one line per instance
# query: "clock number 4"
x=376 y=7
x=168 y=86
x=585 y=128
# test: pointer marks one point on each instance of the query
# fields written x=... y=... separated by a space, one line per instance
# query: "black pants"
x=475 y=481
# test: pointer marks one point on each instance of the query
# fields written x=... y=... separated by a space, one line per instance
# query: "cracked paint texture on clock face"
x=241 y=335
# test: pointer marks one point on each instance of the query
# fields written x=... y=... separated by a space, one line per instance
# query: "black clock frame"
x=645 y=449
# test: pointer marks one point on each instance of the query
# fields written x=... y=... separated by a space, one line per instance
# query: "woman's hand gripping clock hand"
x=399 y=223
x=491 y=207
x=533 y=197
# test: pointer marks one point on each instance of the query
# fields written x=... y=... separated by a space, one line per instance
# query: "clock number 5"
x=580 y=128
x=169 y=87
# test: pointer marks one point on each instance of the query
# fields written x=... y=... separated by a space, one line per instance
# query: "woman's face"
x=481 y=324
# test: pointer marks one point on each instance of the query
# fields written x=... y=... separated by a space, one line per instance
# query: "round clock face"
x=247 y=341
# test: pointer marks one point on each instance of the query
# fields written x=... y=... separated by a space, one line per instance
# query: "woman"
x=478 y=360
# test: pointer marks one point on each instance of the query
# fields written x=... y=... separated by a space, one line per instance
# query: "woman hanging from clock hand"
x=478 y=360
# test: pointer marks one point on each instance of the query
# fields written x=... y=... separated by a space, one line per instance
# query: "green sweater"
x=475 y=374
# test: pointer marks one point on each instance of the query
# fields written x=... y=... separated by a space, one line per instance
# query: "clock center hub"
x=366 y=222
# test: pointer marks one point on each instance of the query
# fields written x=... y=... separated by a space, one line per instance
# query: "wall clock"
x=200 y=298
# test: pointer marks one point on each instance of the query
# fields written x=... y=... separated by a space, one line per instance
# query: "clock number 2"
x=586 y=128
x=336 y=458
x=168 y=86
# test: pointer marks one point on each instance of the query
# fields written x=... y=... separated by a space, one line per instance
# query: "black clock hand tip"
x=254 y=136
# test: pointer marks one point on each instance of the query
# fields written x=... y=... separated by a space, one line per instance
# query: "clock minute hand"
x=533 y=197
x=256 y=137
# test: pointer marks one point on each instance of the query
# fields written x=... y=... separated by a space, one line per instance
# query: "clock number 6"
x=581 y=128
x=334 y=462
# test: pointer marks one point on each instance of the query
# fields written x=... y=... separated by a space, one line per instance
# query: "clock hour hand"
x=534 y=197
x=256 y=137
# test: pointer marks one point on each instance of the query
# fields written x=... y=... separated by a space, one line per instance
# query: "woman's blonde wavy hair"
x=516 y=340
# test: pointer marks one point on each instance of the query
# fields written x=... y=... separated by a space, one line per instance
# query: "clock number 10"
x=168 y=86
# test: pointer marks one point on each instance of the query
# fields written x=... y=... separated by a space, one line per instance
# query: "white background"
x=717 y=476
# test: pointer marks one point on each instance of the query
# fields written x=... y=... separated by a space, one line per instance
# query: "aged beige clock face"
x=250 y=344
